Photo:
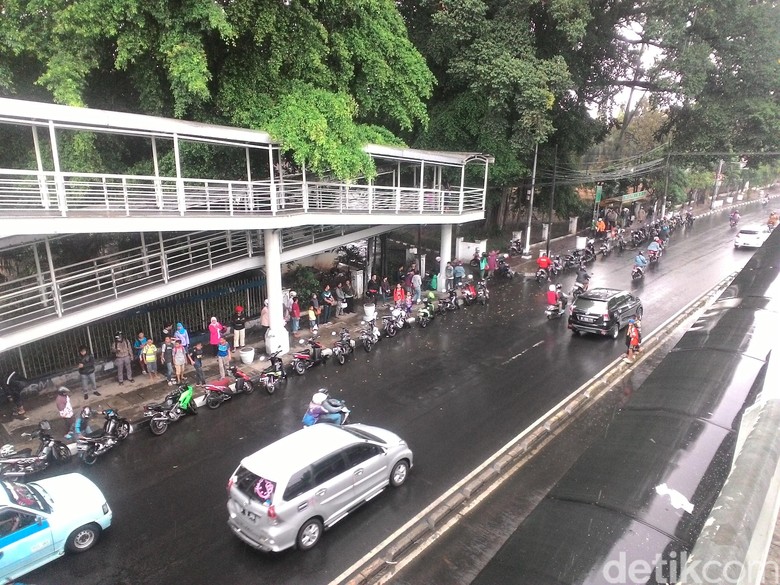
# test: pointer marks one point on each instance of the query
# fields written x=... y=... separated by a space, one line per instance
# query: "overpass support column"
x=277 y=337
x=445 y=254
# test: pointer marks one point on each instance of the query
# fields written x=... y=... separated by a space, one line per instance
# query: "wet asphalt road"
x=455 y=391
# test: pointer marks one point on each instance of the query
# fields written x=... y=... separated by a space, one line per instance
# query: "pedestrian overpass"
x=195 y=229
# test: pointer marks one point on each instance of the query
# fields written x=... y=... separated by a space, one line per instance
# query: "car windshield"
x=254 y=486
x=751 y=232
x=591 y=305
x=361 y=434
x=25 y=495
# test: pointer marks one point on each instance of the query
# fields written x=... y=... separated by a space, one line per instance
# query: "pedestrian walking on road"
x=239 y=328
x=123 y=353
x=87 y=372
x=64 y=407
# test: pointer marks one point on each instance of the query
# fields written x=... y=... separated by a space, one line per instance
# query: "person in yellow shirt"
x=149 y=355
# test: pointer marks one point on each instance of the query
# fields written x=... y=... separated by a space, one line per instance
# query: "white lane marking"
x=514 y=357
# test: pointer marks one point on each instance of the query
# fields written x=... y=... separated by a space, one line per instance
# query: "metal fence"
x=192 y=308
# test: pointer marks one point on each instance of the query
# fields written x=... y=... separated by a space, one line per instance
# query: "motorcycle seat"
x=94 y=434
x=23 y=453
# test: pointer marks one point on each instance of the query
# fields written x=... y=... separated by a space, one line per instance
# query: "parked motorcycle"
x=388 y=325
x=115 y=430
x=515 y=247
x=177 y=404
x=343 y=346
x=450 y=302
x=370 y=334
x=425 y=313
x=400 y=315
x=18 y=464
x=606 y=248
x=308 y=358
x=236 y=382
x=331 y=405
x=274 y=375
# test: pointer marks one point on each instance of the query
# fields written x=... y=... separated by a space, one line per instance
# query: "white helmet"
x=319 y=397
x=551 y=287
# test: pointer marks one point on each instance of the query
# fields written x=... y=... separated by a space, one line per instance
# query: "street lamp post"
x=527 y=248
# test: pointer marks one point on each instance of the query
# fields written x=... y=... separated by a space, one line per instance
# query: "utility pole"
x=717 y=177
x=527 y=248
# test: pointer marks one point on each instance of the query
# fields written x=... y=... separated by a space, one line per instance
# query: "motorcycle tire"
x=213 y=400
x=192 y=408
x=424 y=322
x=158 y=427
x=270 y=384
x=391 y=331
x=249 y=386
x=299 y=367
x=90 y=455
x=367 y=345
x=61 y=452
x=483 y=301
x=122 y=429
x=341 y=358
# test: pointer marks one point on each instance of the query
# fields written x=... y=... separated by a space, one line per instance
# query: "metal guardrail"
x=25 y=193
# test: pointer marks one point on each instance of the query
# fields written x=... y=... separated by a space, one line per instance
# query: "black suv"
x=604 y=311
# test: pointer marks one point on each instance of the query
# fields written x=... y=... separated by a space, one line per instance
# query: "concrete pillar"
x=445 y=252
x=573 y=225
x=277 y=337
x=545 y=231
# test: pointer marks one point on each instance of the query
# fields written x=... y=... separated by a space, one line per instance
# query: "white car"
x=40 y=520
x=752 y=236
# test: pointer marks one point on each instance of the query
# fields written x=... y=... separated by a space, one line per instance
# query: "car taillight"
x=271 y=512
x=231 y=481
x=606 y=317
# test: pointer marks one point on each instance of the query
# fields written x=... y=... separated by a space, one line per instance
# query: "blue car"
x=40 y=520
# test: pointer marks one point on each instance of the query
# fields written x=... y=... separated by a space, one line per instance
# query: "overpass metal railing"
x=26 y=193
x=41 y=296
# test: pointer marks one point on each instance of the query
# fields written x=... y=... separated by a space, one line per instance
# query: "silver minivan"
x=288 y=493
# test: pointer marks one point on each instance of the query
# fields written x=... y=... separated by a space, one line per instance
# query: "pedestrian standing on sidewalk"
x=239 y=328
x=223 y=357
x=64 y=407
x=138 y=345
x=149 y=354
x=385 y=289
x=166 y=357
x=483 y=264
x=328 y=302
x=459 y=273
x=416 y=286
x=372 y=289
x=180 y=358
x=449 y=276
x=196 y=357
x=349 y=296
x=87 y=372
x=633 y=339
x=123 y=353
x=216 y=329
x=183 y=335
x=312 y=318
x=265 y=319
x=492 y=263
x=316 y=304
x=341 y=299
x=295 y=313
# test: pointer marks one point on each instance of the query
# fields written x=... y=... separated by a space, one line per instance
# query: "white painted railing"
x=25 y=193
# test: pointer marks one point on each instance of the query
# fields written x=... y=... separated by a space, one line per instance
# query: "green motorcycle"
x=176 y=405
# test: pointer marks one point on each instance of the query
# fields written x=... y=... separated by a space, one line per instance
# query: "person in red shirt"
x=633 y=339
x=399 y=295
x=544 y=262
x=552 y=295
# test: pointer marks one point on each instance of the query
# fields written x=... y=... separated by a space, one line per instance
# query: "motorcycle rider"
x=544 y=263
x=470 y=286
x=81 y=424
x=654 y=248
x=734 y=217
x=583 y=277
x=320 y=410
x=640 y=261
x=562 y=299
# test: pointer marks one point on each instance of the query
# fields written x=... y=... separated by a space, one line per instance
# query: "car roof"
x=601 y=294
x=291 y=453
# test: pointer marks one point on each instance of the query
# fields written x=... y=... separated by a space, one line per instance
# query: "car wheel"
x=614 y=331
x=399 y=473
x=83 y=538
x=309 y=534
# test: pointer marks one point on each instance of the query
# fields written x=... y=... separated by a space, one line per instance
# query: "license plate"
x=249 y=515
x=588 y=319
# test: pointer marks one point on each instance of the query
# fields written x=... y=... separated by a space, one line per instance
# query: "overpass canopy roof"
x=435 y=156
x=40 y=114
